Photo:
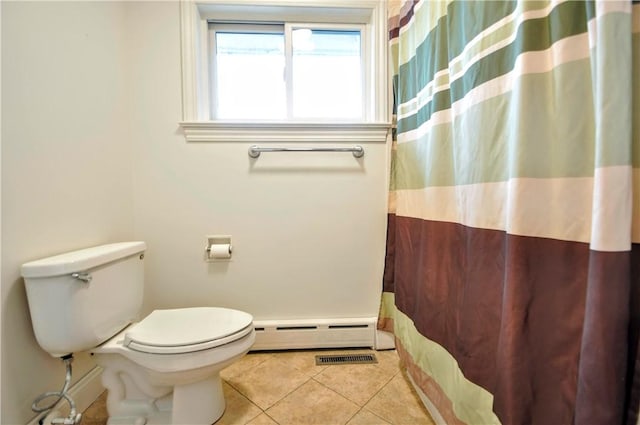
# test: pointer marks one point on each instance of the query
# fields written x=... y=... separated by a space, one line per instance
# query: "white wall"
x=0 y=212
x=308 y=229
x=92 y=152
x=66 y=164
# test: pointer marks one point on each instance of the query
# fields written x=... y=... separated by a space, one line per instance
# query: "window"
x=286 y=71
x=294 y=70
x=247 y=75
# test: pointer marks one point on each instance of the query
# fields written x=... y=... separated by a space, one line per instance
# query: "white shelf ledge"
x=256 y=132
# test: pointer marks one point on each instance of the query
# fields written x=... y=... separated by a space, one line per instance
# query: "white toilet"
x=163 y=369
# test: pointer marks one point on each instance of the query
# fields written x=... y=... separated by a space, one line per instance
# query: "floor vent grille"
x=333 y=359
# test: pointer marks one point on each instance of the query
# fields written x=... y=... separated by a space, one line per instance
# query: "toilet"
x=163 y=369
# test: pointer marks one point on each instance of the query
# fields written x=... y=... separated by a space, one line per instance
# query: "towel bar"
x=255 y=151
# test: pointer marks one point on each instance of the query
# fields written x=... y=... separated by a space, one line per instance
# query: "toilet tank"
x=80 y=299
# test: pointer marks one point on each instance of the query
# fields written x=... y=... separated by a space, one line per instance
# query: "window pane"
x=250 y=75
x=327 y=74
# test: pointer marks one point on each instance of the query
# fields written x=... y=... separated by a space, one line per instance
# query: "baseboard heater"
x=315 y=333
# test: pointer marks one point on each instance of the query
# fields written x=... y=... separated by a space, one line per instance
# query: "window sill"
x=250 y=132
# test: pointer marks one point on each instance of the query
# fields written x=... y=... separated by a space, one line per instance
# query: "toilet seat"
x=173 y=331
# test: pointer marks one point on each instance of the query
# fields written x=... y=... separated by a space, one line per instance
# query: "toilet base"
x=137 y=396
x=182 y=389
x=199 y=403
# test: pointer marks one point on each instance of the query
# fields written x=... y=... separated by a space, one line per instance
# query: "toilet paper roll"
x=220 y=251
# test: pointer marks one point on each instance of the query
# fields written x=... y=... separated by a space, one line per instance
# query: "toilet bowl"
x=166 y=368
x=163 y=369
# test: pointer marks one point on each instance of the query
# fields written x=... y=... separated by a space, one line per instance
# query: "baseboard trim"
x=314 y=333
x=385 y=340
x=84 y=392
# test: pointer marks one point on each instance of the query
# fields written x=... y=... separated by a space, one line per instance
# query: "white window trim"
x=197 y=125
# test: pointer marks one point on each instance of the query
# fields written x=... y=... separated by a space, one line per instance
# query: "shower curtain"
x=512 y=276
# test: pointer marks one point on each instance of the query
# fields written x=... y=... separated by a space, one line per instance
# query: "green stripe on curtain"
x=429 y=18
x=532 y=35
x=467 y=19
x=500 y=149
x=440 y=39
x=613 y=132
x=465 y=396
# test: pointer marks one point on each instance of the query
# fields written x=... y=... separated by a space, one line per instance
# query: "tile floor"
x=287 y=388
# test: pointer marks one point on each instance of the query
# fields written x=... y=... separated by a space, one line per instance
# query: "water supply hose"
x=74 y=417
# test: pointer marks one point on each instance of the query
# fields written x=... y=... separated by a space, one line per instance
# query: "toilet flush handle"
x=85 y=277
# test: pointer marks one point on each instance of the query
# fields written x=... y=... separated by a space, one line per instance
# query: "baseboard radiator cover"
x=315 y=333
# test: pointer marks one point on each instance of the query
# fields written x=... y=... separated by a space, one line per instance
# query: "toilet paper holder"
x=218 y=248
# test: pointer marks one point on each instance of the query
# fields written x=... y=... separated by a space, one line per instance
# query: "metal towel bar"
x=357 y=150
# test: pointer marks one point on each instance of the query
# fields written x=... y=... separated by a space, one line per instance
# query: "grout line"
x=345 y=397
x=377 y=416
x=266 y=358
x=271 y=417
x=287 y=394
x=341 y=395
x=363 y=407
x=354 y=415
x=381 y=388
x=243 y=396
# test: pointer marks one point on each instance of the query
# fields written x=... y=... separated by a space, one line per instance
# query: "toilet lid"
x=186 y=330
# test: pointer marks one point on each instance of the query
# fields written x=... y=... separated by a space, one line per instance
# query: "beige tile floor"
x=287 y=388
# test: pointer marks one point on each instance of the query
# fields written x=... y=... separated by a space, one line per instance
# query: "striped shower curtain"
x=512 y=277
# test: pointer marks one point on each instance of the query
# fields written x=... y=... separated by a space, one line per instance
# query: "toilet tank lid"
x=81 y=260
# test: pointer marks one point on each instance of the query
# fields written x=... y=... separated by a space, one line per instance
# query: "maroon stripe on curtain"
x=511 y=309
x=388 y=277
x=406 y=13
x=633 y=360
x=603 y=358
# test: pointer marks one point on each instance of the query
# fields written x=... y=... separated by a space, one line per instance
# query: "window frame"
x=196 y=122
